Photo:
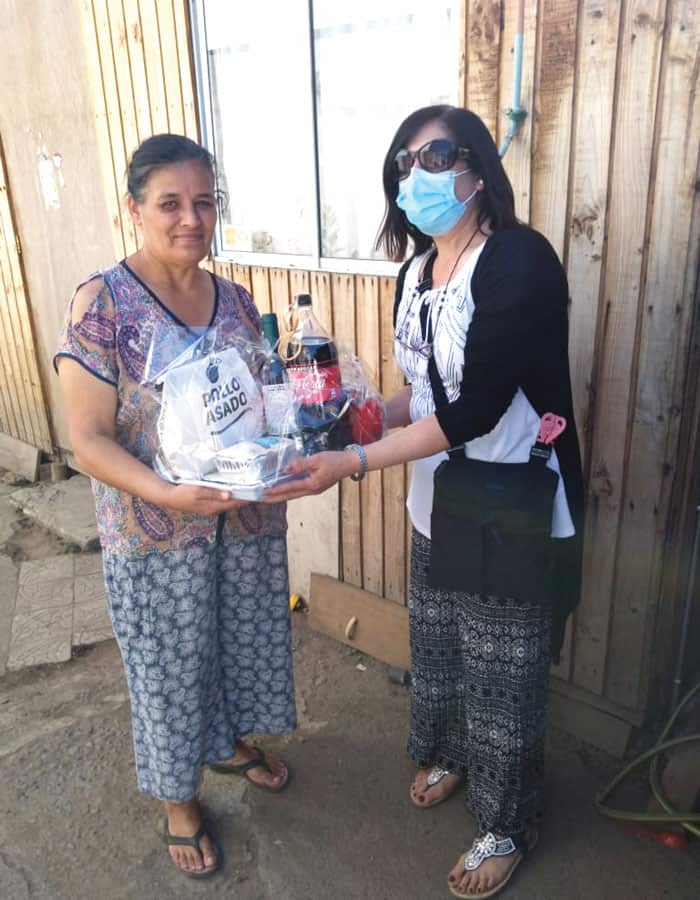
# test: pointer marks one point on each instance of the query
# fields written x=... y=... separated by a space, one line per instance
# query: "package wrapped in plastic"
x=336 y=402
x=212 y=428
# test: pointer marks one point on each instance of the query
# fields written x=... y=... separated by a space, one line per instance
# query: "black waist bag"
x=490 y=528
x=491 y=522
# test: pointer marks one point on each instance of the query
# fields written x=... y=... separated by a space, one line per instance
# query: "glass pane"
x=263 y=123
x=376 y=61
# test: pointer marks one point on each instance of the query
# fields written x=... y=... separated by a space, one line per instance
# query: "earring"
x=480 y=183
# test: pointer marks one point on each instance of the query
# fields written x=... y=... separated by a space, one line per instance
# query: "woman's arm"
x=322 y=470
x=91 y=406
x=397 y=409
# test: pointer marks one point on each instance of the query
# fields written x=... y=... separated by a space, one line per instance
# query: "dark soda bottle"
x=314 y=375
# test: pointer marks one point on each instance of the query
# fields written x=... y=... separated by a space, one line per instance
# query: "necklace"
x=423 y=309
x=428 y=329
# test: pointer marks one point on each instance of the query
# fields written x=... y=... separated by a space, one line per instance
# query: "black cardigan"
x=518 y=338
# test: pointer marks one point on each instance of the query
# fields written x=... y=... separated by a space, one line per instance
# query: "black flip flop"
x=257 y=762
x=173 y=840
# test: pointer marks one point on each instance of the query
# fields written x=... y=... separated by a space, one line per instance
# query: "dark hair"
x=163 y=150
x=497 y=204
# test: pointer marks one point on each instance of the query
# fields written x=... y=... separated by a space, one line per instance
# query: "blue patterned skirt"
x=205 y=637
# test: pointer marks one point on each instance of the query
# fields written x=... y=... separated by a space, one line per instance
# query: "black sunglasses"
x=435 y=156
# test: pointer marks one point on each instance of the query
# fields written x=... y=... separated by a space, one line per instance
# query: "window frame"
x=314 y=262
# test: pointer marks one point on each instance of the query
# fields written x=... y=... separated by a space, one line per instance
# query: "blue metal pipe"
x=516 y=113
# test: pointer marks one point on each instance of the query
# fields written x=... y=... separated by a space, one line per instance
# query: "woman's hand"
x=319 y=472
x=202 y=501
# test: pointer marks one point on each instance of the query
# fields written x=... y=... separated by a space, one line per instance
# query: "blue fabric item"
x=430 y=202
x=205 y=636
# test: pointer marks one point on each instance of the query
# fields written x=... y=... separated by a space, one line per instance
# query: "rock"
x=66 y=508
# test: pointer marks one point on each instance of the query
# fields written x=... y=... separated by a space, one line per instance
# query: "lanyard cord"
x=428 y=331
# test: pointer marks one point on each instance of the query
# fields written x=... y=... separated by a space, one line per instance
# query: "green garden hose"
x=671 y=816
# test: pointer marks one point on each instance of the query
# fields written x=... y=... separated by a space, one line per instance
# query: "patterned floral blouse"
x=112 y=341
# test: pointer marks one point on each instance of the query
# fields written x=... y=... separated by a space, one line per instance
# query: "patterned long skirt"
x=206 y=641
x=479 y=676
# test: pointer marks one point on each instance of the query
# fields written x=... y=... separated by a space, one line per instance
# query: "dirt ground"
x=74 y=827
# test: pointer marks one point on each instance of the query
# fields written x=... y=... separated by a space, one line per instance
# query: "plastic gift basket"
x=212 y=429
x=336 y=403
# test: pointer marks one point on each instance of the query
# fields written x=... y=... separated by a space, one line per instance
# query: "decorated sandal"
x=257 y=762
x=173 y=840
x=435 y=776
x=489 y=845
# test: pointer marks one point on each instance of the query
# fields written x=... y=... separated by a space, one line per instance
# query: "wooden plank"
x=18 y=328
x=595 y=79
x=260 y=288
x=580 y=695
x=681 y=518
x=183 y=37
x=393 y=479
x=15 y=382
x=125 y=90
x=553 y=114
x=300 y=283
x=321 y=290
x=154 y=65
x=343 y=287
x=279 y=292
x=518 y=162
x=381 y=630
x=112 y=105
x=591 y=725
x=463 y=76
x=101 y=127
x=19 y=457
x=666 y=302
x=483 y=59
x=313 y=539
x=241 y=275
x=137 y=68
x=637 y=85
x=598 y=25
x=12 y=408
x=171 y=66
x=224 y=269
x=371 y=501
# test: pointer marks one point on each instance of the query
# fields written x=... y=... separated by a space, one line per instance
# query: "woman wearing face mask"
x=487 y=298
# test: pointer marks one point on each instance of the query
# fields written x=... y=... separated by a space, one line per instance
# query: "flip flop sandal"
x=257 y=762
x=173 y=840
x=435 y=776
x=489 y=845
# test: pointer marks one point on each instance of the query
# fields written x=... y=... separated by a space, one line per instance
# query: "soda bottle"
x=314 y=376
x=277 y=396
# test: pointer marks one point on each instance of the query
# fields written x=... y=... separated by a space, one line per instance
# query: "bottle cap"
x=304 y=300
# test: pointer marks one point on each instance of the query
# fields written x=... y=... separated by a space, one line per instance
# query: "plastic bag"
x=336 y=403
x=212 y=428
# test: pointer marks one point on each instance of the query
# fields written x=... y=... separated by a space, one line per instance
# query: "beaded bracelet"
x=358 y=476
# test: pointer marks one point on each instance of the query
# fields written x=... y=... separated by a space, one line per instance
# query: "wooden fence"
x=606 y=166
x=23 y=414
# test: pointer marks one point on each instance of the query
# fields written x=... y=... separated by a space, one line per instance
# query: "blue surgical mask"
x=430 y=202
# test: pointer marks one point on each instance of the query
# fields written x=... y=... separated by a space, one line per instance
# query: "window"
x=300 y=99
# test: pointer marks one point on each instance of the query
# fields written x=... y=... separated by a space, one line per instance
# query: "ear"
x=134 y=210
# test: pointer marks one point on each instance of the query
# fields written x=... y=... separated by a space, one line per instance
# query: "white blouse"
x=451 y=308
